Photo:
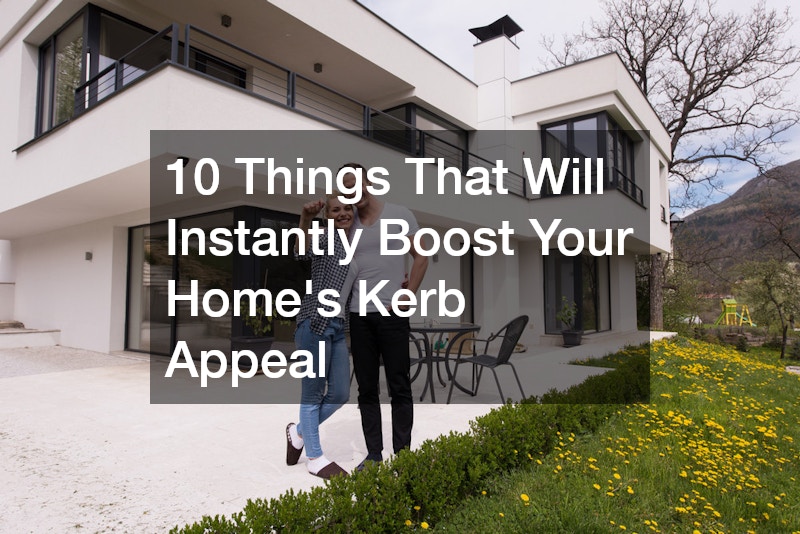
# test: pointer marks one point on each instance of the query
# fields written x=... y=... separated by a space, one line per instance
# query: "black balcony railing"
x=158 y=49
x=223 y=61
x=624 y=184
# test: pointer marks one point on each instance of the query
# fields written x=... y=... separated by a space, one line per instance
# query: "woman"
x=322 y=396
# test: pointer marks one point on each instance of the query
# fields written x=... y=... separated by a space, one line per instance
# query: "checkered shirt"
x=326 y=273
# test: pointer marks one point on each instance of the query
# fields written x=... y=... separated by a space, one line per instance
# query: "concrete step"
x=15 y=338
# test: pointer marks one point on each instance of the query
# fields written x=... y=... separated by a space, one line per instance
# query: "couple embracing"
x=373 y=336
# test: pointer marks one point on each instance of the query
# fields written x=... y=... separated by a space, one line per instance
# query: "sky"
x=442 y=27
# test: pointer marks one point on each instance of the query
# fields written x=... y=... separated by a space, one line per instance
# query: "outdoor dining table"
x=432 y=354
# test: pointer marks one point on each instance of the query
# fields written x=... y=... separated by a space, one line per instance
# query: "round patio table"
x=433 y=355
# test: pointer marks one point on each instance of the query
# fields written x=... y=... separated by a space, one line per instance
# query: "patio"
x=85 y=450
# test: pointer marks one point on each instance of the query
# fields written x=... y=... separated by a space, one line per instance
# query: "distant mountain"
x=746 y=225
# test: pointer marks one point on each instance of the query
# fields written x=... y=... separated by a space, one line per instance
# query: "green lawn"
x=716 y=450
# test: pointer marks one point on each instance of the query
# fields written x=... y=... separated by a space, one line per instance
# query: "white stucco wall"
x=57 y=288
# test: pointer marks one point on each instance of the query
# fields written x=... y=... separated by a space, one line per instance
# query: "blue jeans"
x=321 y=396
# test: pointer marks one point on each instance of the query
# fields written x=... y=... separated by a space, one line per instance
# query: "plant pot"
x=572 y=338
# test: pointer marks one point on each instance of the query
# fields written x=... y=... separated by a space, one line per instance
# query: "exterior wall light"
x=226 y=21
x=317 y=67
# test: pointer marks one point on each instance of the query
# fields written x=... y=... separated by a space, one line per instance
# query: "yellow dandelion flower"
x=630 y=490
x=408 y=523
x=502 y=514
x=424 y=525
x=416 y=508
x=483 y=492
x=525 y=497
x=596 y=486
x=616 y=475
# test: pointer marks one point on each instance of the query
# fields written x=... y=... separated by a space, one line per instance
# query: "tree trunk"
x=783 y=341
x=656 y=292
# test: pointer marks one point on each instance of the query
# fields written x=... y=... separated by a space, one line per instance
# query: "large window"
x=149 y=327
x=77 y=63
x=428 y=135
x=595 y=136
x=583 y=279
x=61 y=71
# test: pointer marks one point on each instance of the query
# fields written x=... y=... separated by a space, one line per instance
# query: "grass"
x=609 y=361
x=716 y=450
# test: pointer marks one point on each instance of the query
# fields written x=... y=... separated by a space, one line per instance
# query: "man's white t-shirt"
x=374 y=267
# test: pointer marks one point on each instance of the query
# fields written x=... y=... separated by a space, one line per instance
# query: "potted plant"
x=260 y=324
x=566 y=316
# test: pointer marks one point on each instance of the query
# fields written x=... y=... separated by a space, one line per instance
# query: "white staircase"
x=14 y=335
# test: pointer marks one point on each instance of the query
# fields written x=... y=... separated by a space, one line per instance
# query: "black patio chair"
x=509 y=335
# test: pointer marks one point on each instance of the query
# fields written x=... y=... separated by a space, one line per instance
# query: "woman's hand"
x=312 y=209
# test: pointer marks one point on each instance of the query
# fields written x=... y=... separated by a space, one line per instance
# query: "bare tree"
x=715 y=79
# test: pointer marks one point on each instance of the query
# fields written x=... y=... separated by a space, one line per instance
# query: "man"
x=374 y=336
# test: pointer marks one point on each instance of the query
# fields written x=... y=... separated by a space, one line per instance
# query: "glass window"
x=211 y=272
x=583 y=279
x=420 y=132
x=68 y=69
x=149 y=328
x=45 y=88
x=150 y=267
x=218 y=68
x=92 y=42
x=597 y=136
x=117 y=39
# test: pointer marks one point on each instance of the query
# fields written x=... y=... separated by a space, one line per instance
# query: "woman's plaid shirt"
x=326 y=273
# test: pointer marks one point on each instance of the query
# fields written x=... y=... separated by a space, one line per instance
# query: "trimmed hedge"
x=438 y=475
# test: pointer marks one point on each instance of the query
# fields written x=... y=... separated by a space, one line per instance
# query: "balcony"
x=207 y=55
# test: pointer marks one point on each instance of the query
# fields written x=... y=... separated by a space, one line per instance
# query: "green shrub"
x=430 y=482
x=741 y=344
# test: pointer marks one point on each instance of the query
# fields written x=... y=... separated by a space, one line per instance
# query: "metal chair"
x=510 y=335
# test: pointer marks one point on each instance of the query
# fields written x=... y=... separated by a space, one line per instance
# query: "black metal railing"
x=627 y=186
x=149 y=54
x=217 y=58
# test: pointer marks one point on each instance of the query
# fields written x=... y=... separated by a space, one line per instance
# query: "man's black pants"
x=373 y=337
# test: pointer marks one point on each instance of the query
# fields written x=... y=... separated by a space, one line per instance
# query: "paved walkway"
x=84 y=450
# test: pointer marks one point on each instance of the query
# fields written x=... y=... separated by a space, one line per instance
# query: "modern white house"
x=82 y=253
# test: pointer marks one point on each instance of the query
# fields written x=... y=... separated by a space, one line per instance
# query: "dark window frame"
x=245 y=269
x=610 y=129
x=550 y=323
x=92 y=27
